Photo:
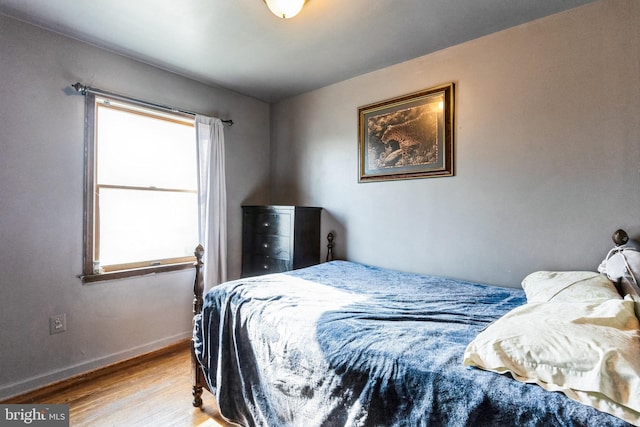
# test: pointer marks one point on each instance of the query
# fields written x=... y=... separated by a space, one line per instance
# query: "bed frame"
x=199 y=382
x=619 y=237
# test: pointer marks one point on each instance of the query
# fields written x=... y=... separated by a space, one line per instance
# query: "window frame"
x=90 y=239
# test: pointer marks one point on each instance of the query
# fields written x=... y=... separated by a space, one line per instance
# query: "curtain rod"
x=82 y=89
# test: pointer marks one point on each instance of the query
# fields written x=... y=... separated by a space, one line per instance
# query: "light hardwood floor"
x=151 y=391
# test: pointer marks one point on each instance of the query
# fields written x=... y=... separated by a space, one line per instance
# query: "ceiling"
x=240 y=45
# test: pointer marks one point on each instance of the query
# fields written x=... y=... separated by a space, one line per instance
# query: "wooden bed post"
x=198 y=289
x=330 y=247
x=620 y=237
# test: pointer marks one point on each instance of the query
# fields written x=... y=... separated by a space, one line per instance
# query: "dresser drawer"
x=275 y=246
x=264 y=264
x=270 y=223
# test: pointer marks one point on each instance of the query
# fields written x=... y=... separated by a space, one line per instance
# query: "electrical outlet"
x=58 y=323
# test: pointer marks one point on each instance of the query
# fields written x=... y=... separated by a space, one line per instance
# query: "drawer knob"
x=265 y=245
x=266 y=266
x=266 y=224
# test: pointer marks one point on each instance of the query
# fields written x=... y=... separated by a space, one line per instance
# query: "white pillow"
x=568 y=286
x=588 y=351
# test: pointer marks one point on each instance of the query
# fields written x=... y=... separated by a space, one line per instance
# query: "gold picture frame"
x=406 y=137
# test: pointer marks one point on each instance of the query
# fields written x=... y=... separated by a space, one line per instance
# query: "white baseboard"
x=38 y=381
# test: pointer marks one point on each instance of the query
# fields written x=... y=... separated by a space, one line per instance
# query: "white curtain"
x=212 y=199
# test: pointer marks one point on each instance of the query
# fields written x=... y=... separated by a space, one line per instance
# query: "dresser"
x=279 y=238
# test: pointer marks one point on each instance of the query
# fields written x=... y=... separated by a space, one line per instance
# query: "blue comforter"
x=344 y=344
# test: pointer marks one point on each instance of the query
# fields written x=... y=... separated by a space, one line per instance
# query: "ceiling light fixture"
x=285 y=9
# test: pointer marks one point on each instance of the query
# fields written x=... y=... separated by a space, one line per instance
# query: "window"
x=141 y=212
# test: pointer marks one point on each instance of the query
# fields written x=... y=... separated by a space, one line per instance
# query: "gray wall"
x=547 y=143
x=41 y=177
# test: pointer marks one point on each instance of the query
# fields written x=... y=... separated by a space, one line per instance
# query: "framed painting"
x=407 y=137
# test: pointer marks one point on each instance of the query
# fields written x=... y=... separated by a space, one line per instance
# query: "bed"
x=342 y=343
